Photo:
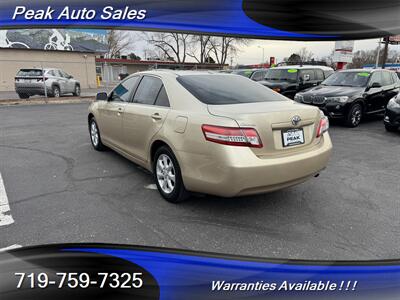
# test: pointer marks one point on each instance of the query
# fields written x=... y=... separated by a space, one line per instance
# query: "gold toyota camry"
x=210 y=133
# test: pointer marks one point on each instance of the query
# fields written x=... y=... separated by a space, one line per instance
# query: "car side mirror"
x=70 y=77
x=101 y=96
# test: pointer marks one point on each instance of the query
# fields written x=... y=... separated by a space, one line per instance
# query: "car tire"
x=55 y=92
x=23 y=96
x=95 y=137
x=77 y=91
x=390 y=128
x=168 y=176
x=354 y=116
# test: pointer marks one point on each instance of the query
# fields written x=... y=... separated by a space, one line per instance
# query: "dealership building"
x=78 y=53
x=81 y=66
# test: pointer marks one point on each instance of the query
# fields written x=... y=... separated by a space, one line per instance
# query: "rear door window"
x=148 y=90
x=162 y=98
x=307 y=73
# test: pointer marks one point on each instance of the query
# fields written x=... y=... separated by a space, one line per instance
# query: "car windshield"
x=282 y=74
x=347 y=79
x=227 y=89
x=245 y=73
x=29 y=72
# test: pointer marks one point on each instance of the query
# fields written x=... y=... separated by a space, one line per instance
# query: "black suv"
x=288 y=80
x=392 y=114
x=350 y=94
x=253 y=74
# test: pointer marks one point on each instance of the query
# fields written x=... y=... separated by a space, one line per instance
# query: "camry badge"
x=296 y=120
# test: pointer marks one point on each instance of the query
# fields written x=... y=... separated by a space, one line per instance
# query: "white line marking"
x=15 y=246
x=5 y=215
x=151 y=187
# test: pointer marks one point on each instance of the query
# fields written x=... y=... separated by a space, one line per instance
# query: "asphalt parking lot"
x=60 y=190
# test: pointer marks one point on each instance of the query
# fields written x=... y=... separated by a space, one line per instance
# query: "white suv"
x=30 y=82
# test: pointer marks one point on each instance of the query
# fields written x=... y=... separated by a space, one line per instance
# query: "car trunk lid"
x=276 y=123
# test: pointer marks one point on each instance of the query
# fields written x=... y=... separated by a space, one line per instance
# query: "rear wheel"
x=354 y=116
x=390 y=128
x=167 y=175
x=23 y=96
x=95 y=135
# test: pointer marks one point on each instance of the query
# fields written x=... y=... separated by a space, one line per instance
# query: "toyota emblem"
x=296 y=120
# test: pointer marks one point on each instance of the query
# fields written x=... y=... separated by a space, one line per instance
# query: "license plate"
x=292 y=137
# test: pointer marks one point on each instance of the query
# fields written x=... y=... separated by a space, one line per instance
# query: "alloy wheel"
x=356 y=116
x=94 y=133
x=165 y=172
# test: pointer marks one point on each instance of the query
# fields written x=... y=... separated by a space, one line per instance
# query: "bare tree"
x=199 y=48
x=305 y=55
x=174 y=46
x=222 y=47
x=118 y=42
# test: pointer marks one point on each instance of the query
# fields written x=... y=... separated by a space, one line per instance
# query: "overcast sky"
x=252 y=54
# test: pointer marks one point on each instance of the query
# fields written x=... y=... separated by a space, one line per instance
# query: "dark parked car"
x=392 y=114
x=122 y=76
x=351 y=94
x=289 y=80
x=253 y=74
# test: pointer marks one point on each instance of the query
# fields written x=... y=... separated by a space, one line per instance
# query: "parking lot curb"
x=62 y=100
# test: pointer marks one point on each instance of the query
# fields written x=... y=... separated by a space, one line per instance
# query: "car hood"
x=329 y=91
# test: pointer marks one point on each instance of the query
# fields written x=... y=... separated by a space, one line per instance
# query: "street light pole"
x=262 y=54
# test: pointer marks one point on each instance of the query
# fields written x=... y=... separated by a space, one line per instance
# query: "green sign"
x=292 y=71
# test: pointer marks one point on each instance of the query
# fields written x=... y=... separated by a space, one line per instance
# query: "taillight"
x=323 y=126
x=247 y=137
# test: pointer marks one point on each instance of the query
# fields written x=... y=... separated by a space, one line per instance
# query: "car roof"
x=300 y=67
x=365 y=70
x=177 y=73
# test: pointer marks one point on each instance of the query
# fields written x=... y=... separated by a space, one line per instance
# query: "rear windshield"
x=282 y=75
x=29 y=72
x=227 y=89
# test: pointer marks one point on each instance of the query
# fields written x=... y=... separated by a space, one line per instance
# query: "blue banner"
x=88 y=271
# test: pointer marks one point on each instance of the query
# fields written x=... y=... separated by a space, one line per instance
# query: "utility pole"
x=378 y=54
x=263 y=57
x=385 y=51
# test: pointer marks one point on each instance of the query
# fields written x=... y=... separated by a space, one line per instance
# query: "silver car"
x=30 y=82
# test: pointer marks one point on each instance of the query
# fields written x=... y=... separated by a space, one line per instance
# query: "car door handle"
x=120 y=111
x=156 y=116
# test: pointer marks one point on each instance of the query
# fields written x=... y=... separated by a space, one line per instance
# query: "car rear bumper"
x=31 y=89
x=237 y=171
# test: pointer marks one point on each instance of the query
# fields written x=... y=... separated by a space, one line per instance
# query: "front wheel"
x=56 y=92
x=77 y=91
x=354 y=116
x=167 y=175
x=95 y=135
x=390 y=128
